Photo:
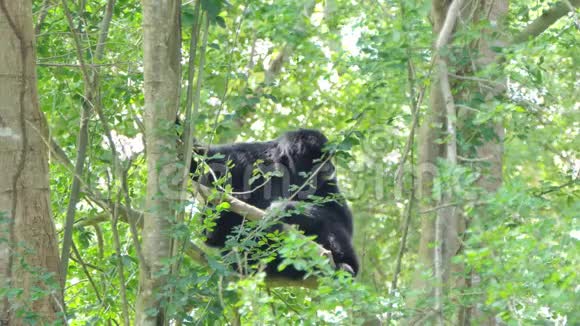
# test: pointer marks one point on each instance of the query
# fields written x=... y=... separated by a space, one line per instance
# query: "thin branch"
x=403 y=243
x=99 y=52
x=42 y=16
x=77 y=41
x=188 y=123
x=133 y=222
x=117 y=245
x=447 y=205
x=100 y=241
x=416 y=104
x=478 y=159
x=131 y=217
x=83 y=139
x=82 y=144
x=557 y=188
x=229 y=69
x=192 y=100
x=104 y=32
x=408 y=214
x=91 y=82
x=84 y=265
x=191 y=111
x=545 y=20
x=78 y=261
x=90 y=65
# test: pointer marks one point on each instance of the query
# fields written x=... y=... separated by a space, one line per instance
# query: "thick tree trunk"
x=162 y=81
x=28 y=244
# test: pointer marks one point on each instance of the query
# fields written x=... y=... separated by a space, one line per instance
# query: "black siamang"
x=296 y=176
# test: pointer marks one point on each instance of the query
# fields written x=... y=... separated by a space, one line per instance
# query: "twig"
x=90 y=65
x=133 y=222
x=556 y=188
x=408 y=214
x=403 y=243
x=76 y=260
x=416 y=104
x=117 y=244
x=77 y=41
x=84 y=265
x=479 y=159
x=434 y=209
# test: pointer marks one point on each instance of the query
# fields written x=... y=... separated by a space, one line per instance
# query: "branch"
x=121 y=270
x=42 y=16
x=237 y=206
x=82 y=144
x=246 y=210
x=545 y=20
x=104 y=32
x=89 y=65
x=87 y=106
x=557 y=188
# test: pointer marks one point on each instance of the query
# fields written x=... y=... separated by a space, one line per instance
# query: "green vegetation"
x=362 y=72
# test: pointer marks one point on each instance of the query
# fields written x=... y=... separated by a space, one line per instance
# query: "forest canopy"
x=453 y=135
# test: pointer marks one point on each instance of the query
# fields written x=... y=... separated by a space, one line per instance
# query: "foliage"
x=353 y=70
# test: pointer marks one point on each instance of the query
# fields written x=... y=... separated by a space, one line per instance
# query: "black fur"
x=295 y=156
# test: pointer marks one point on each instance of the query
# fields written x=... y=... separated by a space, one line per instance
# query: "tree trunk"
x=162 y=65
x=489 y=155
x=28 y=244
x=432 y=131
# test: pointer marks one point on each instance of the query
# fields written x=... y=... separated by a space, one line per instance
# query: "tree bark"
x=28 y=244
x=162 y=65
x=489 y=155
x=437 y=255
x=429 y=151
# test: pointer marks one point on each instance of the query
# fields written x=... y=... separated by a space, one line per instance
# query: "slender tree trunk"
x=162 y=81
x=28 y=245
x=437 y=255
x=432 y=129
